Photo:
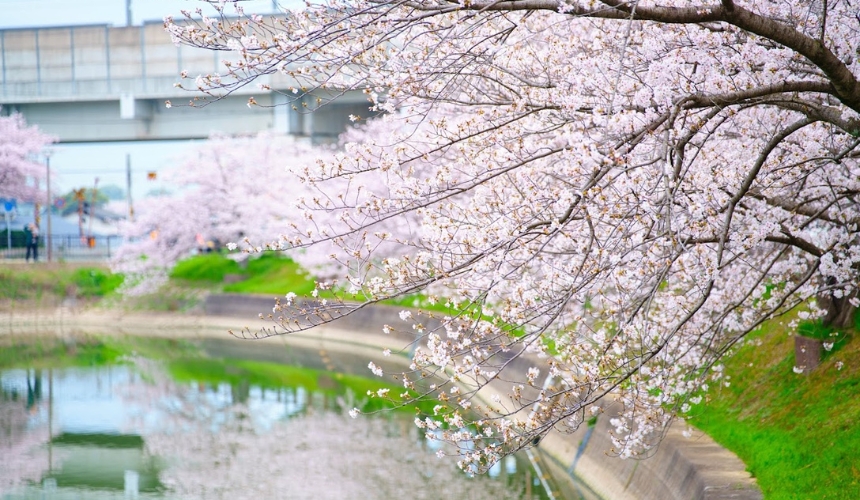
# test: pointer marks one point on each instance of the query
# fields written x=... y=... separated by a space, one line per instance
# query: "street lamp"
x=50 y=204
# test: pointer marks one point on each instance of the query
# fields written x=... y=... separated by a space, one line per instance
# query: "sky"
x=78 y=165
x=44 y=13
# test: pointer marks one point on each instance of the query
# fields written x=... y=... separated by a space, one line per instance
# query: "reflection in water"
x=317 y=455
x=23 y=430
x=72 y=445
x=132 y=432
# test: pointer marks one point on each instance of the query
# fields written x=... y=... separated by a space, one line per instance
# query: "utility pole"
x=128 y=186
x=92 y=214
x=128 y=12
x=37 y=218
x=81 y=197
x=50 y=203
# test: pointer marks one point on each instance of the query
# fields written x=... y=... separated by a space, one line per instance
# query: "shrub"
x=93 y=282
x=209 y=267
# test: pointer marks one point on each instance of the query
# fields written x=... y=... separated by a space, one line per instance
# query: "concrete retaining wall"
x=368 y=320
x=683 y=468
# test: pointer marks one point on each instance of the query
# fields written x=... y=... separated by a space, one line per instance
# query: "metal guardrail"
x=65 y=247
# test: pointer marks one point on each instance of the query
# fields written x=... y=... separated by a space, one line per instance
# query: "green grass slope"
x=43 y=280
x=799 y=435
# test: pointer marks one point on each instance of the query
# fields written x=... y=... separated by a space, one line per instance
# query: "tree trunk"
x=840 y=312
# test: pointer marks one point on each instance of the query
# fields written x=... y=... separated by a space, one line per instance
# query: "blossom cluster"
x=20 y=169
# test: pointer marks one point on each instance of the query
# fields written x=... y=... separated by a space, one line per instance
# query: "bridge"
x=104 y=83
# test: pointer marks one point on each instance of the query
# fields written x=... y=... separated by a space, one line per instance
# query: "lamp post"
x=50 y=204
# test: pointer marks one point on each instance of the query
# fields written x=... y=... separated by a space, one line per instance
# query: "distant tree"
x=227 y=190
x=234 y=190
x=70 y=199
x=159 y=191
x=112 y=192
x=20 y=170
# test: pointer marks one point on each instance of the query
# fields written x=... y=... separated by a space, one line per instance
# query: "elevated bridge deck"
x=103 y=83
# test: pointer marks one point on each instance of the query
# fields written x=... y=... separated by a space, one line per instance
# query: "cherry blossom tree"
x=20 y=146
x=228 y=189
x=236 y=189
x=624 y=188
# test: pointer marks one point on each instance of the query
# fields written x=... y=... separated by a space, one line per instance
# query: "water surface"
x=209 y=428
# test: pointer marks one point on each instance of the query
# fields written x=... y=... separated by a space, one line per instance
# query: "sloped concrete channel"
x=682 y=468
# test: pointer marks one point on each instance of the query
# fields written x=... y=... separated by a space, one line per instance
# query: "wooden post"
x=807 y=353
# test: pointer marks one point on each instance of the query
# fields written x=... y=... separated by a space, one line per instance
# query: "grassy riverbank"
x=799 y=435
x=43 y=282
x=269 y=273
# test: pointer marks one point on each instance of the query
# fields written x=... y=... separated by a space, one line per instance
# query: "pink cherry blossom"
x=21 y=172
x=615 y=193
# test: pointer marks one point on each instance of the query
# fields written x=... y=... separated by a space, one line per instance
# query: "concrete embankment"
x=683 y=468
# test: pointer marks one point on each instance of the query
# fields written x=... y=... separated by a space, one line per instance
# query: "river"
x=98 y=418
